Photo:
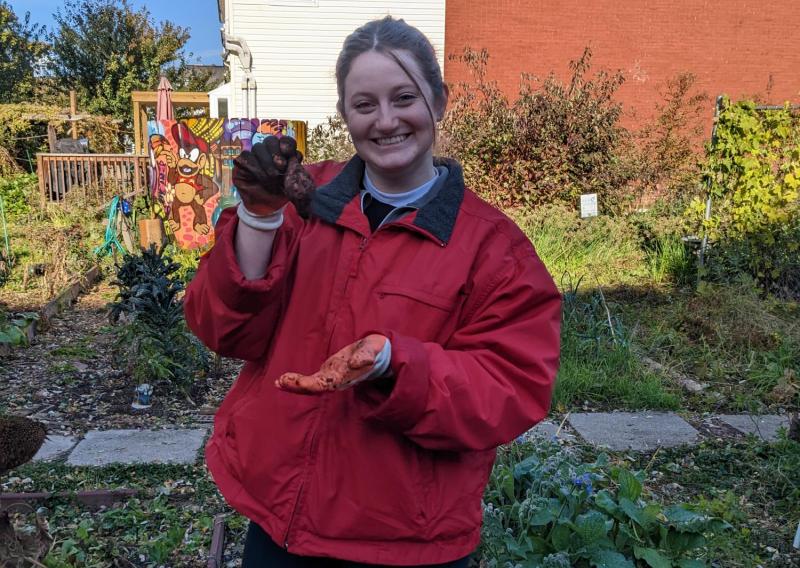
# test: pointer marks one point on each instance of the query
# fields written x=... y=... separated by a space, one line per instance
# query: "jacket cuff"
x=270 y=222
x=404 y=405
x=235 y=291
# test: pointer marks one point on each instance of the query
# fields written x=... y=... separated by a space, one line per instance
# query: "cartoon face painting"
x=191 y=163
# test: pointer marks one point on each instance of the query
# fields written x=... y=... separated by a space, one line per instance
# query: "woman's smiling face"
x=389 y=120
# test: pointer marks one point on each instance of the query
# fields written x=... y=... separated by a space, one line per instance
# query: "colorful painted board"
x=191 y=164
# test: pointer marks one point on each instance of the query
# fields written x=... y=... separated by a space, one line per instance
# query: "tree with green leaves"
x=21 y=51
x=104 y=49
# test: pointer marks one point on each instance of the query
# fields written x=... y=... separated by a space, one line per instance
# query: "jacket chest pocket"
x=417 y=313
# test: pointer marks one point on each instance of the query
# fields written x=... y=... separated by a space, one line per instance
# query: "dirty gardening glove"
x=267 y=177
x=363 y=360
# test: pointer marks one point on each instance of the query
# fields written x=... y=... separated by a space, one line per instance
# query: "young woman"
x=394 y=336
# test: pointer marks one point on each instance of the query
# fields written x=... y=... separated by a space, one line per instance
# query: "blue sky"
x=198 y=15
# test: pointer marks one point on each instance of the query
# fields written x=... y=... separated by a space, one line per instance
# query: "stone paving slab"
x=765 y=426
x=546 y=429
x=639 y=431
x=105 y=447
x=55 y=447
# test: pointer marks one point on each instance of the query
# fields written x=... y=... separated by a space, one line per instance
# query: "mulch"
x=70 y=379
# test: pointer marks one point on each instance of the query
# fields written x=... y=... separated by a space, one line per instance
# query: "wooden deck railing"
x=91 y=174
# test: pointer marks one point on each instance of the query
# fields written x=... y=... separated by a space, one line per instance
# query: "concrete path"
x=55 y=447
x=640 y=431
x=764 y=427
x=100 y=448
x=620 y=431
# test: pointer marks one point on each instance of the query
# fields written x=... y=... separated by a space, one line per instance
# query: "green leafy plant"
x=153 y=337
x=753 y=176
x=143 y=270
x=13 y=328
x=186 y=259
x=545 y=507
x=17 y=192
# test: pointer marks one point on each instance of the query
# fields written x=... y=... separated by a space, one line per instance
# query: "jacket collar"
x=437 y=216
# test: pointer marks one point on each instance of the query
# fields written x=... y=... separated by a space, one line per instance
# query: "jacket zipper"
x=361 y=247
x=302 y=482
x=294 y=512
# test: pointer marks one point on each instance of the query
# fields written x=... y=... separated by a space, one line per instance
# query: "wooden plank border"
x=92 y=499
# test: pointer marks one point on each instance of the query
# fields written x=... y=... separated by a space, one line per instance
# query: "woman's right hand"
x=270 y=175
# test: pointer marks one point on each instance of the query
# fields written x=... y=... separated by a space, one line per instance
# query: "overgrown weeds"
x=50 y=246
x=753 y=485
x=599 y=250
x=744 y=346
x=598 y=365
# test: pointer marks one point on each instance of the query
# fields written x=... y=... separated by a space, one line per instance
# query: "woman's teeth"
x=391 y=140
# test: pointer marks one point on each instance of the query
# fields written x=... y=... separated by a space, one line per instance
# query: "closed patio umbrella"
x=164 y=101
x=151 y=231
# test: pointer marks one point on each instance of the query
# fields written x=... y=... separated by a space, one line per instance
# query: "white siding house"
x=282 y=53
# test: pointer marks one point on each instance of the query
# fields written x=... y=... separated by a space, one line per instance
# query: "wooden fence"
x=90 y=174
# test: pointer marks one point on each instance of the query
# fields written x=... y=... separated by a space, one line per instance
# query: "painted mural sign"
x=191 y=165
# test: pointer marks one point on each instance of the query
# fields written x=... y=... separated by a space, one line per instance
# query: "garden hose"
x=111 y=239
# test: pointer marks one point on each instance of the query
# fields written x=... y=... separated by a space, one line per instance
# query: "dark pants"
x=261 y=552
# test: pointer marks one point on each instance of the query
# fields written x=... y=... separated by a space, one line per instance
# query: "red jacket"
x=377 y=475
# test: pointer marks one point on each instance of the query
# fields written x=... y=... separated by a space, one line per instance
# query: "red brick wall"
x=737 y=47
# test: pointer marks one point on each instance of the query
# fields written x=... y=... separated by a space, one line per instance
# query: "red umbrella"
x=164 y=101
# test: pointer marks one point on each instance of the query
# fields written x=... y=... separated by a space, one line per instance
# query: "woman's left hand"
x=365 y=359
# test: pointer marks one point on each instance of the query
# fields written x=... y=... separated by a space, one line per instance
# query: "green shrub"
x=186 y=259
x=667 y=150
x=154 y=339
x=330 y=141
x=771 y=257
x=554 y=142
x=545 y=507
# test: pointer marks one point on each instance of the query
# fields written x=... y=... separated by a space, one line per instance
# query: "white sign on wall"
x=588 y=205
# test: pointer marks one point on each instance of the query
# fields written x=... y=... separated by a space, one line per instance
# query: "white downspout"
x=238 y=46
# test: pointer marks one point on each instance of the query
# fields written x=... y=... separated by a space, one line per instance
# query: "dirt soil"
x=70 y=380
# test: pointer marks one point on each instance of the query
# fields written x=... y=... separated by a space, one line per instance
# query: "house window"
x=222 y=108
x=293 y=3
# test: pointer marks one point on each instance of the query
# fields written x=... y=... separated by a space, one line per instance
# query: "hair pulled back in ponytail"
x=387 y=36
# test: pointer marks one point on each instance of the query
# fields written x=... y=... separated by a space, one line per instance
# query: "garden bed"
x=70 y=379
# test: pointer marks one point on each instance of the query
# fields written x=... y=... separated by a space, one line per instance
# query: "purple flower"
x=584 y=481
